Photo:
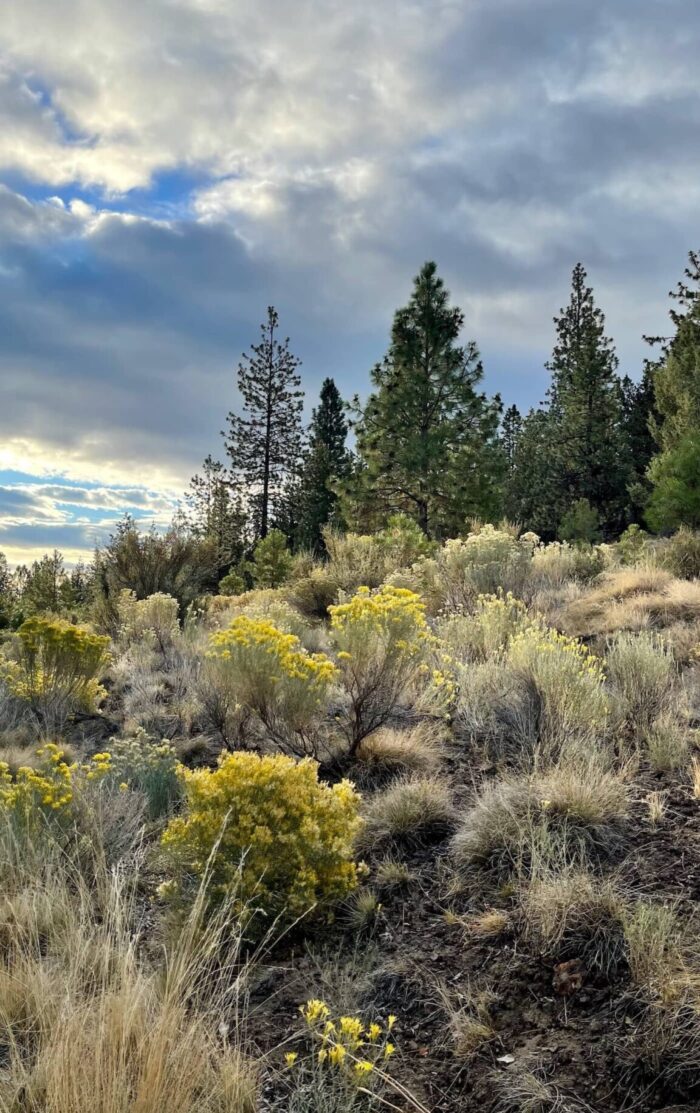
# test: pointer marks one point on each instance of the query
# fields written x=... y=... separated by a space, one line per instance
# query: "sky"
x=169 y=168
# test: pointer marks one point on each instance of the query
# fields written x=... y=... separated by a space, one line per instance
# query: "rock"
x=568 y=977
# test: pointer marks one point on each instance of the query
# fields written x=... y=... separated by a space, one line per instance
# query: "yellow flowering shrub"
x=568 y=680
x=382 y=640
x=46 y=788
x=281 y=839
x=346 y=1064
x=266 y=674
x=57 y=667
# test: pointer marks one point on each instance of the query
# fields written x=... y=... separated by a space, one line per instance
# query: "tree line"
x=601 y=451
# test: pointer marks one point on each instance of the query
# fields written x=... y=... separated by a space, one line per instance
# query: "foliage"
x=675 y=478
x=272 y=835
x=313 y=593
x=264 y=444
x=266 y=675
x=581 y=522
x=412 y=810
x=487 y=630
x=381 y=639
x=216 y=514
x=681 y=554
x=272 y=560
x=355 y=559
x=558 y=562
x=148 y=766
x=633 y=544
x=57 y=668
x=426 y=437
x=175 y=563
x=231 y=584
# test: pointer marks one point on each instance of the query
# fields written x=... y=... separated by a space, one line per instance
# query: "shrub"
x=580 y=523
x=313 y=593
x=261 y=672
x=231 y=584
x=559 y=562
x=355 y=559
x=566 y=680
x=643 y=673
x=273 y=836
x=411 y=811
x=345 y=1069
x=57 y=668
x=633 y=545
x=681 y=554
x=485 y=632
x=272 y=560
x=461 y=570
x=381 y=639
x=403 y=541
x=148 y=766
x=153 y=619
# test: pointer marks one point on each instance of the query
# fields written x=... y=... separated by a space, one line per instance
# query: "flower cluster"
x=141 y=763
x=346 y=1044
x=281 y=839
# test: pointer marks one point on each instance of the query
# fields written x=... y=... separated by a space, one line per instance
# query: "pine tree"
x=215 y=513
x=265 y=443
x=326 y=463
x=427 y=438
x=675 y=473
x=677 y=373
x=589 y=452
x=531 y=496
x=640 y=420
x=511 y=429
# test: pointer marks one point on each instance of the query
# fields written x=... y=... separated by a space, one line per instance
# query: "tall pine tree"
x=589 y=451
x=264 y=443
x=426 y=437
x=326 y=463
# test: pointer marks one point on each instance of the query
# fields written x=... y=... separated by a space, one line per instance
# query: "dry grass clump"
x=667 y=742
x=392 y=875
x=411 y=811
x=488 y=924
x=469 y=1018
x=632 y=599
x=389 y=751
x=565 y=911
x=695 y=777
x=575 y=808
x=526 y=1089
x=654 y=939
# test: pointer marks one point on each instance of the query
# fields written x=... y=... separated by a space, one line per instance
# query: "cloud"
x=172 y=168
